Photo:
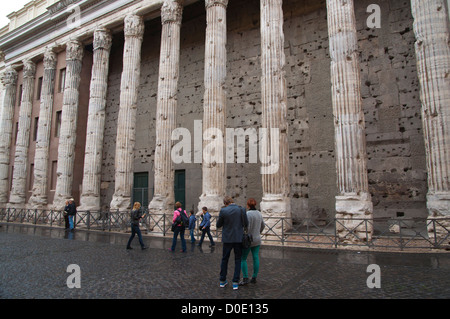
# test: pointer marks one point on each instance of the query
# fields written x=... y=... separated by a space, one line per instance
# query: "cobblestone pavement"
x=34 y=261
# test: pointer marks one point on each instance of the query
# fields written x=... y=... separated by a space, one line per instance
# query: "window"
x=20 y=94
x=16 y=132
x=62 y=80
x=31 y=178
x=58 y=123
x=53 y=180
x=35 y=129
x=39 y=89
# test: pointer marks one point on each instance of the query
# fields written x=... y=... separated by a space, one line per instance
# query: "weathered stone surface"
x=68 y=136
x=126 y=128
x=39 y=197
x=18 y=192
x=431 y=26
x=166 y=110
x=9 y=79
x=354 y=199
x=214 y=107
x=275 y=182
x=90 y=197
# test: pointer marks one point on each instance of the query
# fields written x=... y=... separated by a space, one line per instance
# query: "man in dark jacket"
x=232 y=218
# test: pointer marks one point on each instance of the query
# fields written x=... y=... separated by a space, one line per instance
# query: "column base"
x=120 y=203
x=275 y=207
x=438 y=205
x=161 y=205
x=354 y=216
x=89 y=202
x=38 y=202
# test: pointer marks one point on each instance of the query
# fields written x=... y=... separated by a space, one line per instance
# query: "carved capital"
x=74 y=50
x=9 y=76
x=211 y=3
x=49 y=59
x=134 y=26
x=102 y=39
x=172 y=11
x=29 y=69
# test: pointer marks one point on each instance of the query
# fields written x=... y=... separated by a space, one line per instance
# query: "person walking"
x=179 y=228
x=136 y=215
x=72 y=212
x=205 y=226
x=192 y=220
x=232 y=219
x=255 y=227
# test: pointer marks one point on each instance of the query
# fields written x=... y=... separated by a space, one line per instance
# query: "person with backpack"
x=136 y=215
x=181 y=221
x=205 y=227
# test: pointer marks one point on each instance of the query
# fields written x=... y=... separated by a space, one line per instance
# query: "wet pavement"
x=34 y=262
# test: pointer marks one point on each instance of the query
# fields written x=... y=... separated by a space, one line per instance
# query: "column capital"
x=102 y=39
x=172 y=11
x=74 y=50
x=49 y=59
x=9 y=76
x=134 y=26
x=29 y=69
x=211 y=3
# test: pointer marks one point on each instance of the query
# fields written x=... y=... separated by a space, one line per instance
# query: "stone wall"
x=390 y=91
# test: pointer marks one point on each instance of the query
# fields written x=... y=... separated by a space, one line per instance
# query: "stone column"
x=68 y=136
x=9 y=79
x=353 y=203
x=431 y=26
x=90 y=196
x=126 y=128
x=274 y=145
x=171 y=15
x=214 y=107
x=17 y=196
x=39 y=197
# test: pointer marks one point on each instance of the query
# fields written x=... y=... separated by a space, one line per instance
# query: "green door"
x=140 y=189
x=180 y=187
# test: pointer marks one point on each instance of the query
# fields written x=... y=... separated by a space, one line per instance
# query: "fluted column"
x=431 y=27
x=90 y=196
x=69 y=118
x=214 y=107
x=38 y=198
x=126 y=129
x=274 y=172
x=17 y=196
x=171 y=15
x=9 y=79
x=353 y=203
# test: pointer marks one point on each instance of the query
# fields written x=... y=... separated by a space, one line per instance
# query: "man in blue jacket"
x=233 y=219
x=205 y=227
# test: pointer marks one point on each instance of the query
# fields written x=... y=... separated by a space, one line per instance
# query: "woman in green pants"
x=255 y=228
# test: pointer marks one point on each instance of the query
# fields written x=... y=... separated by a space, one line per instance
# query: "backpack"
x=184 y=219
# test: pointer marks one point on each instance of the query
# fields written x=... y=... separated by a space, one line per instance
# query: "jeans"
x=71 y=226
x=206 y=231
x=179 y=230
x=244 y=267
x=227 y=247
x=191 y=232
x=135 y=230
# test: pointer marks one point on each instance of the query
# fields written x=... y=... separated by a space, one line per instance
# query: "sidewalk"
x=34 y=261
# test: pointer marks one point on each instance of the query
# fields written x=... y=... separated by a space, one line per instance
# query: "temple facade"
x=331 y=108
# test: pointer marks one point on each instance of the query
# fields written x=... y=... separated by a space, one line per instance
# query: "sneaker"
x=223 y=284
x=144 y=247
x=253 y=281
x=235 y=286
x=244 y=281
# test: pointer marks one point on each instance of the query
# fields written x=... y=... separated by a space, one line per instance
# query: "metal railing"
x=381 y=233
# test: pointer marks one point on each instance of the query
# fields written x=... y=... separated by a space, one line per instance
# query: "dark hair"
x=205 y=208
x=251 y=203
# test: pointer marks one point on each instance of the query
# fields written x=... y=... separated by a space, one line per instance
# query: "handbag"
x=246 y=238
